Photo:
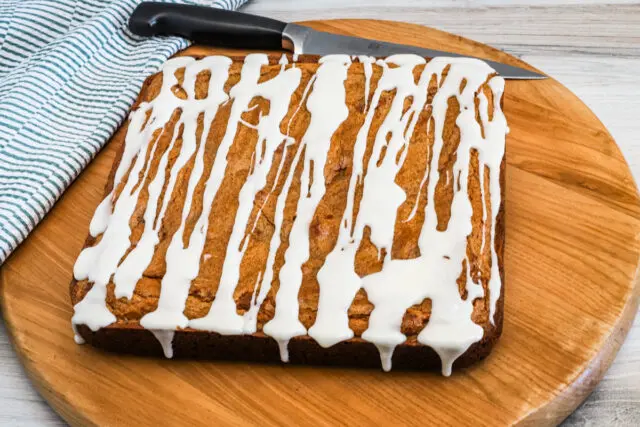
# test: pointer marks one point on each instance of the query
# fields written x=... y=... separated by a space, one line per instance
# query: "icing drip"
x=76 y=336
x=386 y=354
x=450 y=330
x=165 y=338
x=283 y=346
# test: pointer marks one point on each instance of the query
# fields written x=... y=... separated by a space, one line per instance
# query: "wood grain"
x=554 y=28
x=572 y=256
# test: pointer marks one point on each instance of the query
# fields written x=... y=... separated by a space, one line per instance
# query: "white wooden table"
x=592 y=46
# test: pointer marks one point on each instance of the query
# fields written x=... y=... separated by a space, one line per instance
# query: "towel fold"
x=69 y=72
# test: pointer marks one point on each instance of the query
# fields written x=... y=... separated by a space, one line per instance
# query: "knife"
x=230 y=29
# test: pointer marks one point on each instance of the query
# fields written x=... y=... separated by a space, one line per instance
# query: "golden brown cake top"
x=334 y=199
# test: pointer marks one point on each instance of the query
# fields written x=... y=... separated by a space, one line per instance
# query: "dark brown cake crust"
x=127 y=336
x=192 y=344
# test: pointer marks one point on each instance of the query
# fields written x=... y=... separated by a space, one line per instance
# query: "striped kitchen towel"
x=69 y=72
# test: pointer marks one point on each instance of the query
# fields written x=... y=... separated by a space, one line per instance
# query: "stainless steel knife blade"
x=301 y=39
x=227 y=28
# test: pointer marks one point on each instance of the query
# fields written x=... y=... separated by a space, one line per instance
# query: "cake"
x=333 y=210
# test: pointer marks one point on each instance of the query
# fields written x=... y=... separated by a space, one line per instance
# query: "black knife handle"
x=207 y=25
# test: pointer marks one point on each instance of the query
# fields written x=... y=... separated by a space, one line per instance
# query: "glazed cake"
x=315 y=210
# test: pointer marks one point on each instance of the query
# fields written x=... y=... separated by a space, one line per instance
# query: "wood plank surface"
x=589 y=46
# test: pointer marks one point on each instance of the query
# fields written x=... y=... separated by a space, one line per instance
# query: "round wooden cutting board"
x=573 y=221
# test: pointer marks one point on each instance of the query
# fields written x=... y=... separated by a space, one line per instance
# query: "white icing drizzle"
x=165 y=338
x=368 y=71
x=381 y=198
x=283 y=62
x=76 y=336
x=450 y=330
x=283 y=346
x=327 y=105
x=222 y=316
x=251 y=316
x=386 y=354
x=495 y=130
x=132 y=268
x=98 y=263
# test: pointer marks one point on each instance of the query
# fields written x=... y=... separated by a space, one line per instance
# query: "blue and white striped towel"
x=69 y=72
